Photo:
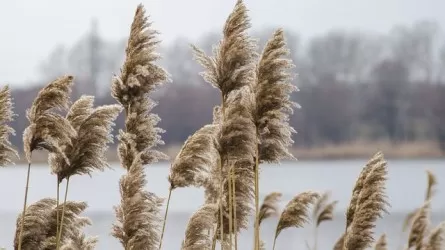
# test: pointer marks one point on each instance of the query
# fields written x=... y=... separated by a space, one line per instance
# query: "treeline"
x=353 y=85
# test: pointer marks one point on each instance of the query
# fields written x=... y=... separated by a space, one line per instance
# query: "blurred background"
x=371 y=76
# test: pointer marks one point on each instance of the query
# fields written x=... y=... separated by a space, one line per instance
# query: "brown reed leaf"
x=327 y=213
x=359 y=184
x=49 y=130
x=86 y=152
x=197 y=232
x=432 y=182
x=138 y=215
x=296 y=212
x=270 y=206
x=198 y=157
x=382 y=243
x=436 y=240
x=231 y=66
x=370 y=204
x=273 y=105
x=40 y=225
x=419 y=228
x=6 y=115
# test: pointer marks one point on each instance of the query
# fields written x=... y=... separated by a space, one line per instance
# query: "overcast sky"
x=29 y=29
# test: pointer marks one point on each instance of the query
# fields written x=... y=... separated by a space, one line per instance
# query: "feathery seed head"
x=6 y=115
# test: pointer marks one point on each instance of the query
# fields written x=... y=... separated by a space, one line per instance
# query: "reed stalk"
x=24 y=206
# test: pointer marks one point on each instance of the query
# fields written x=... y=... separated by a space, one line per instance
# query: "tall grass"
x=249 y=127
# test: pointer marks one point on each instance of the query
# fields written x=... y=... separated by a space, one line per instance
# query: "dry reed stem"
x=370 y=205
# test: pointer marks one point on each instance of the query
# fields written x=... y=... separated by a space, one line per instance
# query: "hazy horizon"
x=31 y=29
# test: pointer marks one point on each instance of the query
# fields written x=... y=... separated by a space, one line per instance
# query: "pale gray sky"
x=30 y=29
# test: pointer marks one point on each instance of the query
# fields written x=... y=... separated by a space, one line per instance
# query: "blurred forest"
x=354 y=86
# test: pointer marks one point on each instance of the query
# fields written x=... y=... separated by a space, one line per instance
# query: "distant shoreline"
x=349 y=151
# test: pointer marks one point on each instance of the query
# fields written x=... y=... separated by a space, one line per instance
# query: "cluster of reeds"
x=249 y=127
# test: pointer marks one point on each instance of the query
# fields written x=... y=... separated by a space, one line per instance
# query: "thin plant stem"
x=229 y=183
x=165 y=217
x=235 y=226
x=257 y=228
x=57 y=204
x=274 y=241
x=59 y=235
x=24 y=206
x=221 y=217
x=214 y=237
x=315 y=238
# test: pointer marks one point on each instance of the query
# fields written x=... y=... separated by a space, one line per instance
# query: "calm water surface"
x=405 y=188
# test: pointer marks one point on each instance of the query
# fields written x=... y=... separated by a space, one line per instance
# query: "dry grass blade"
x=327 y=213
x=197 y=232
x=40 y=224
x=6 y=115
x=382 y=243
x=269 y=207
x=359 y=184
x=231 y=66
x=273 y=104
x=87 y=150
x=197 y=159
x=138 y=215
x=432 y=182
x=370 y=205
x=436 y=239
x=296 y=212
x=419 y=227
x=49 y=130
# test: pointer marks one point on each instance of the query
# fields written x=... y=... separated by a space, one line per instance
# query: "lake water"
x=405 y=188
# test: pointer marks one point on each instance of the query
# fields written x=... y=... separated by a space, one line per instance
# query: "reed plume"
x=273 y=88
x=197 y=158
x=6 y=115
x=323 y=211
x=419 y=227
x=138 y=214
x=86 y=151
x=40 y=224
x=238 y=144
x=198 y=228
x=359 y=184
x=296 y=212
x=436 y=239
x=80 y=241
x=269 y=207
x=47 y=129
x=370 y=204
x=273 y=105
x=231 y=70
x=432 y=182
x=382 y=243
